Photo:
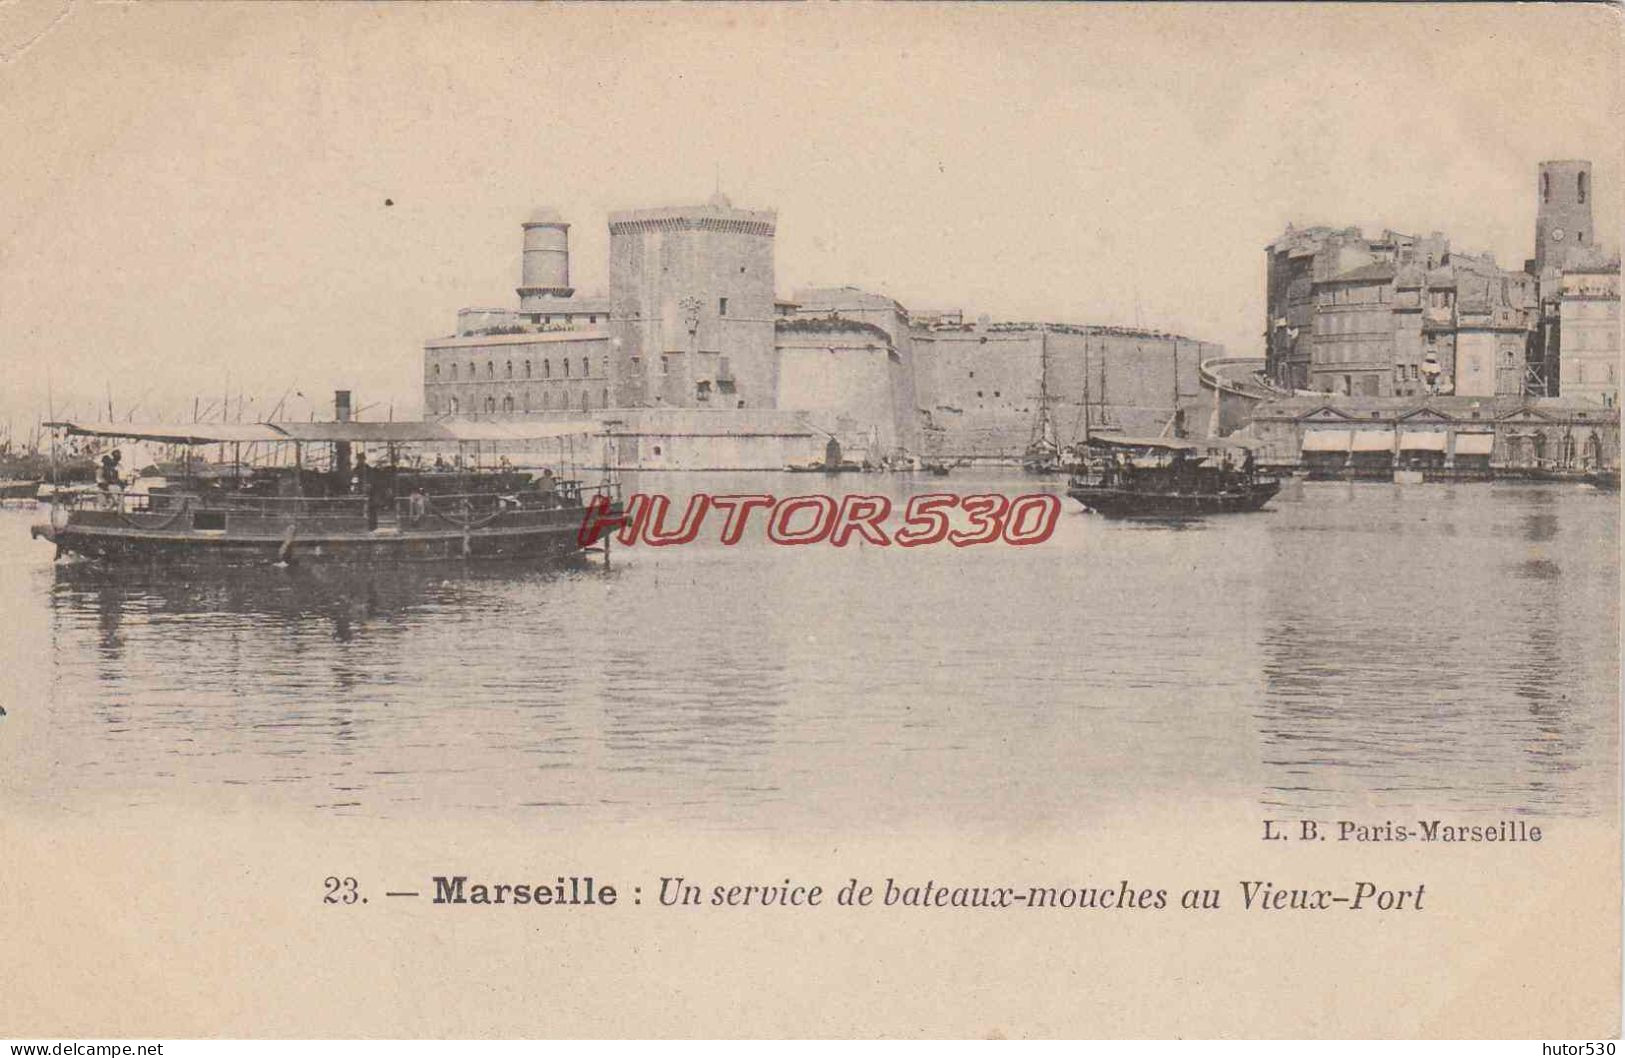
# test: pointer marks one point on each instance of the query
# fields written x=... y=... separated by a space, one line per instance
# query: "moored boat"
x=1152 y=478
x=397 y=510
x=13 y=489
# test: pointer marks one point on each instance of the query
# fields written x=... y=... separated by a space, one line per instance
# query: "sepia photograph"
x=809 y=521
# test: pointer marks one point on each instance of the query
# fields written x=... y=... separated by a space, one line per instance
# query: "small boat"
x=337 y=511
x=1605 y=478
x=12 y=489
x=844 y=466
x=832 y=463
x=1162 y=478
x=1043 y=454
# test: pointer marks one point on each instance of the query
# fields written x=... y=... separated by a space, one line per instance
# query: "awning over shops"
x=1373 y=441
x=1326 y=440
x=1422 y=441
x=1475 y=444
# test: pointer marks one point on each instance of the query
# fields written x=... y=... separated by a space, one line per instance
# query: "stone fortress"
x=693 y=362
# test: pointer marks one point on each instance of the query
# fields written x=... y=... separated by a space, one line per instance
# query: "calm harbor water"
x=1356 y=648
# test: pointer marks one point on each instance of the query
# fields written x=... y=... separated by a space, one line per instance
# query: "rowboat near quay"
x=297 y=494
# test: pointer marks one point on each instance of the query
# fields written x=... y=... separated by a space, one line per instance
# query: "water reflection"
x=1354 y=648
x=1462 y=664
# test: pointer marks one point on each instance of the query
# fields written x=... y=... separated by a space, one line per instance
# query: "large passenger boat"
x=300 y=496
x=1127 y=477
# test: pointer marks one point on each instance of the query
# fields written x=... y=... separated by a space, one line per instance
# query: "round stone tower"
x=1563 y=220
x=545 y=272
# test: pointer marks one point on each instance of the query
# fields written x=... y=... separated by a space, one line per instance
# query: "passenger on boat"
x=544 y=487
x=107 y=478
x=1180 y=467
x=358 y=478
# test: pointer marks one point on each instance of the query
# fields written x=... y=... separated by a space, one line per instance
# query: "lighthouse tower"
x=545 y=271
x=1563 y=225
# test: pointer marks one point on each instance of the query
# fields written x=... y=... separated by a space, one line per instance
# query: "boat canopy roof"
x=1170 y=444
x=176 y=433
x=361 y=432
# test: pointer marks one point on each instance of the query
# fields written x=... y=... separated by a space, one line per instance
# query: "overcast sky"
x=192 y=198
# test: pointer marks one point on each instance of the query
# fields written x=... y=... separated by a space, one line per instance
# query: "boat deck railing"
x=165 y=502
x=564 y=493
x=255 y=515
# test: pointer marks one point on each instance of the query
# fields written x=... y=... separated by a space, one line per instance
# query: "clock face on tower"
x=1557 y=234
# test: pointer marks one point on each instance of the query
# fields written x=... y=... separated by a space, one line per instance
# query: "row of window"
x=526 y=367
x=1353 y=323
x=724 y=368
x=456 y=406
x=1590 y=310
x=563 y=317
x=1355 y=295
x=1595 y=373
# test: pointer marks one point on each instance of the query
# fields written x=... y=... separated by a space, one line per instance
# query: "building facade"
x=1588 y=321
x=1400 y=316
x=1376 y=436
x=1394 y=316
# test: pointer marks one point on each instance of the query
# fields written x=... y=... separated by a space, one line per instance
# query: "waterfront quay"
x=1443 y=437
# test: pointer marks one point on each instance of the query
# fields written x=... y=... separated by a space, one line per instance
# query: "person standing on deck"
x=107 y=479
x=358 y=476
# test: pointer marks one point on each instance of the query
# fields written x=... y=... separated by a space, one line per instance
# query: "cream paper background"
x=162 y=136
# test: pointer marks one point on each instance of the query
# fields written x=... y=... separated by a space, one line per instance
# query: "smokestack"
x=341 y=450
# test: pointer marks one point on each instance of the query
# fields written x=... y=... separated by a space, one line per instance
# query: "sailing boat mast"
x=1046 y=428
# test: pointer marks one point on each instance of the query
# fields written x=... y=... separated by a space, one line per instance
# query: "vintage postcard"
x=819 y=521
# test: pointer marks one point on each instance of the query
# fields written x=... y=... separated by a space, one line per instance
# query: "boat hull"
x=1607 y=480
x=1114 y=502
x=556 y=537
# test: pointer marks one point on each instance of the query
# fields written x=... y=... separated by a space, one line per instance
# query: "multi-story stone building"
x=1404 y=316
x=1394 y=316
x=1589 y=324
